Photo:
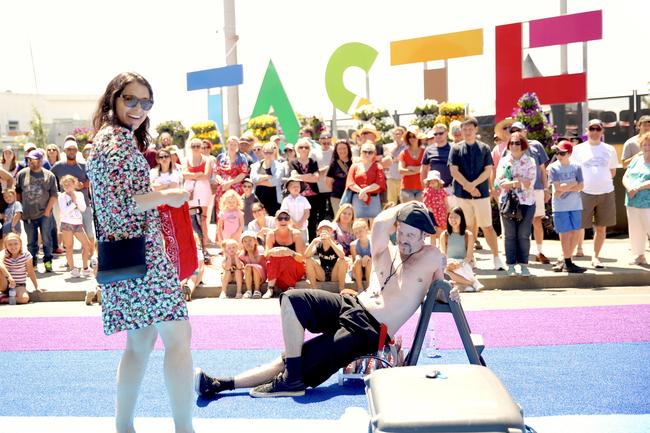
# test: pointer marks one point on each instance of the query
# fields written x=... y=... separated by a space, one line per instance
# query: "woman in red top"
x=366 y=180
x=410 y=160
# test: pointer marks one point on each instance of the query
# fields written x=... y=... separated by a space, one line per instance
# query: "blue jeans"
x=31 y=229
x=517 y=236
x=406 y=195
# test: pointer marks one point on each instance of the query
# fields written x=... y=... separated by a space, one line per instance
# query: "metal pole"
x=585 y=105
x=563 y=48
x=231 y=39
x=368 y=86
x=333 y=125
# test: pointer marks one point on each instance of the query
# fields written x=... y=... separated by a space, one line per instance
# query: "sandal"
x=187 y=293
x=580 y=253
x=257 y=294
x=238 y=295
x=248 y=294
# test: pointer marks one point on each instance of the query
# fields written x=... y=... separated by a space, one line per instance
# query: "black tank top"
x=291 y=246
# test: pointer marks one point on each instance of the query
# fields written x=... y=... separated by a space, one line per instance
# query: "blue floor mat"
x=545 y=380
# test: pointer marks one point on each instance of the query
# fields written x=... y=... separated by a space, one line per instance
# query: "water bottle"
x=12 y=296
x=430 y=345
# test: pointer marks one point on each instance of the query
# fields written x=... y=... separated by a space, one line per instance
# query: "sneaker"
x=558 y=266
x=223 y=294
x=268 y=294
x=640 y=260
x=498 y=264
x=90 y=295
x=575 y=269
x=93 y=262
x=74 y=273
x=88 y=272
x=257 y=294
x=542 y=259
x=59 y=251
x=248 y=294
x=511 y=271
x=596 y=263
x=477 y=245
x=204 y=385
x=278 y=388
x=48 y=266
x=477 y=285
x=525 y=272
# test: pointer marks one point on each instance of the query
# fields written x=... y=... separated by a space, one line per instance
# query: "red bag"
x=177 y=232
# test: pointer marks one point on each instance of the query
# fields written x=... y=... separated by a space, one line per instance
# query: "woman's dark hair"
x=12 y=166
x=105 y=112
x=463 y=224
x=335 y=154
x=521 y=138
x=167 y=151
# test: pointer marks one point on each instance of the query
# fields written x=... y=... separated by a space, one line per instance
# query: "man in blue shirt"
x=436 y=157
x=470 y=164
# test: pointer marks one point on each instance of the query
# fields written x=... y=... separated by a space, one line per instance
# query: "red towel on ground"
x=179 y=239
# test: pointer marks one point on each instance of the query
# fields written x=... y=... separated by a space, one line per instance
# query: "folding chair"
x=473 y=343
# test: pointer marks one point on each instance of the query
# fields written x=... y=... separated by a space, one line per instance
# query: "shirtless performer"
x=349 y=325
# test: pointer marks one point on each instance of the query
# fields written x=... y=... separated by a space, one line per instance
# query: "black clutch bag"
x=121 y=260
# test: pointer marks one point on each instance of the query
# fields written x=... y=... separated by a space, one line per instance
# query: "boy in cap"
x=249 y=198
x=566 y=180
x=350 y=326
x=331 y=264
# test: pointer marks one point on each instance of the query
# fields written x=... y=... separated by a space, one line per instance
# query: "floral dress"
x=117 y=171
x=228 y=169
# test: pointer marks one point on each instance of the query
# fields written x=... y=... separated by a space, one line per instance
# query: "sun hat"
x=434 y=175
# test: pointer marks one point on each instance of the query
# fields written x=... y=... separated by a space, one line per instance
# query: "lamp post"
x=231 y=38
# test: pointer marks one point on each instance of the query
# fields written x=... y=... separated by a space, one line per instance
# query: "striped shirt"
x=16 y=266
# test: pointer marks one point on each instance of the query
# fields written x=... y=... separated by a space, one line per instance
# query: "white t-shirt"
x=596 y=162
x=71 y=212
x=323 y=158
x=296 y=208
x=173 y=176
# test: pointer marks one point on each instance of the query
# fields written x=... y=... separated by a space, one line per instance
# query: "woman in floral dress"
x=126 y=208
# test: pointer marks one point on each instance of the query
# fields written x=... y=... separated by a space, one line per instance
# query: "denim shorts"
x=567 y=221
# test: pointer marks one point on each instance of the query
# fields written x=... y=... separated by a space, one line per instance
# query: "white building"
x=60 y=114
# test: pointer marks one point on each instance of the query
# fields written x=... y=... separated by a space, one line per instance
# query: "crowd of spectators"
x=285 y=212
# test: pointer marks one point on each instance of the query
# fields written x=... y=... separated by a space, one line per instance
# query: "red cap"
x=564 y=146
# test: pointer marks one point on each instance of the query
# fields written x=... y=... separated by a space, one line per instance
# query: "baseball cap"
x=36 y=154
x=69 y=142
x=247 y=180
x=644 y=118
x=29 y=147
x=326 y=134
x=595 y=122
x=563 y=146
x=418 y=216
x=280 y=212
x=518 y=125
x=326 y=223
x=248 y=234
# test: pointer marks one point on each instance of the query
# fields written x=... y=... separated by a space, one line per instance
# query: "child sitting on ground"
x=72 y=204
x=17 y=265
x=254 y=262
x=230 y=222
x=456 y=244
x=434 y=197
x=298 y=207
x=231 y=265
x=13 y=213
x=360 y=252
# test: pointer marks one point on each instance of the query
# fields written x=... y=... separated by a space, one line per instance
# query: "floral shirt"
x=523 y=169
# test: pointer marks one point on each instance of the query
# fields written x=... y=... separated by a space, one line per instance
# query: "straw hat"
x=499 y=127
x=369 y=127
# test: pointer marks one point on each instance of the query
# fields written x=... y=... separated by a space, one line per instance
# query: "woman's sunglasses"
x=131 y=102
x=284 y=218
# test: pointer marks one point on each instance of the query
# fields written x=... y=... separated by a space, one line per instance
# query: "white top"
x=323 y=158
x=173 y=176
x=296 y=208
x=71 y=212
x=596 y=162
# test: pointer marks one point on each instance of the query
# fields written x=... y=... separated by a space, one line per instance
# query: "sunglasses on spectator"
x=52 y=150
x=257 y=149
x=516 y=143
x=284 y=218
x=164 y=156
x=595 y=128
x=289 y=150
x=562 y=152
x=268 y=152
x=436 y=134
x=205 y=147
x=368 y=152
x=132 y=101
x=257 y=210
x=194 y=146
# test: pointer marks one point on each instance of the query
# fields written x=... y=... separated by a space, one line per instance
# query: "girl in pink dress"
x=254 y=264
x=435 y=198
x=230 y=223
